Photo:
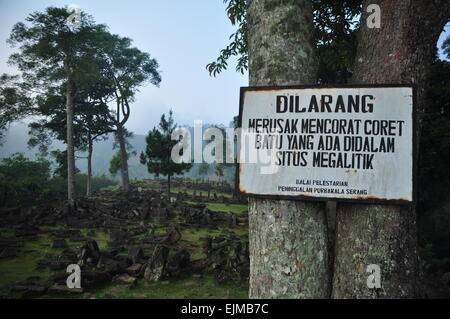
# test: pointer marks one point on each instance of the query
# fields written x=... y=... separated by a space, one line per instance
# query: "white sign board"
x=351 y=143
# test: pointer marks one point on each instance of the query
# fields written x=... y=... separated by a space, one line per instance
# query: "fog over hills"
x=16 y=141
x=17 y=137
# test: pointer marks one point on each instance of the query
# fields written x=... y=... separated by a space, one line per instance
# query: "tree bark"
x=123 y=159
x=401 y=51
x=288 y=239
x=70 y=108
x=89 y=168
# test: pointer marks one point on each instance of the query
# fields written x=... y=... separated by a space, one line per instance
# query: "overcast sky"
x=182 y=35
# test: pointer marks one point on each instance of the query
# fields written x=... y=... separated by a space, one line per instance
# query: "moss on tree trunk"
x=288 y=242
x=399 y=52
x=288 y=249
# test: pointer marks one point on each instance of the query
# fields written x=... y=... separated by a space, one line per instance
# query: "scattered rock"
x=190 y=283
x=446 y=279
x=136 y=254
x=57 y=265
x=177 y=262
x=114 y=293
x=89 y=253
x=59 y=243
x=125 y=216
x=172 y=237
x=156 y=264
x=134 y=269
x=117 y=238
x=92 y=278
x=57 y=289
x=125 y=279
x=8 y=253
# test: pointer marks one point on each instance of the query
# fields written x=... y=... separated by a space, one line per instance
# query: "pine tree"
x=157 y=154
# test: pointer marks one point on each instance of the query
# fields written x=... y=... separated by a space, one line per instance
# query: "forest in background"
x=28 y=180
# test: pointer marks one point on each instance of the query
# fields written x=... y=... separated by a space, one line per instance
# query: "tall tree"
x=51 y=52
x=92 y=115
x=90 y=122
x=288 y=239
x=127 y=69
x=400 y=51
x=115 y=165
x=60 y=158
x=157 y=154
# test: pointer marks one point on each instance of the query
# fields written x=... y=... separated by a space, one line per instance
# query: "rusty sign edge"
x=361 y=199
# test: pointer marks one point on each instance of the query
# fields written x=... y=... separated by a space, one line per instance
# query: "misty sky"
x=182 y=35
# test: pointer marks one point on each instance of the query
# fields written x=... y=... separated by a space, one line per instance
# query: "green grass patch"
x=24 y=265
x=184 y=287
x=196 y=237
x=100 y=237
x=219 y=207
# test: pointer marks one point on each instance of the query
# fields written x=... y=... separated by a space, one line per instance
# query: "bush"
x=26 y=182
x=23 y=181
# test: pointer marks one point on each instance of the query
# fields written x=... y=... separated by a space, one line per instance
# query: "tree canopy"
x=335 y=25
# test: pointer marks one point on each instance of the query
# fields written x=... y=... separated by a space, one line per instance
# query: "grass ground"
x=24 y=265
x=220 y=207
x=188 y=286
x=196 y=237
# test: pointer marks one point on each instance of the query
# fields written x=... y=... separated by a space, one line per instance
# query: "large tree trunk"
x=288 y=240
x=399 y=52
x=89 y=168
x=124 y=159
x=70 y=107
